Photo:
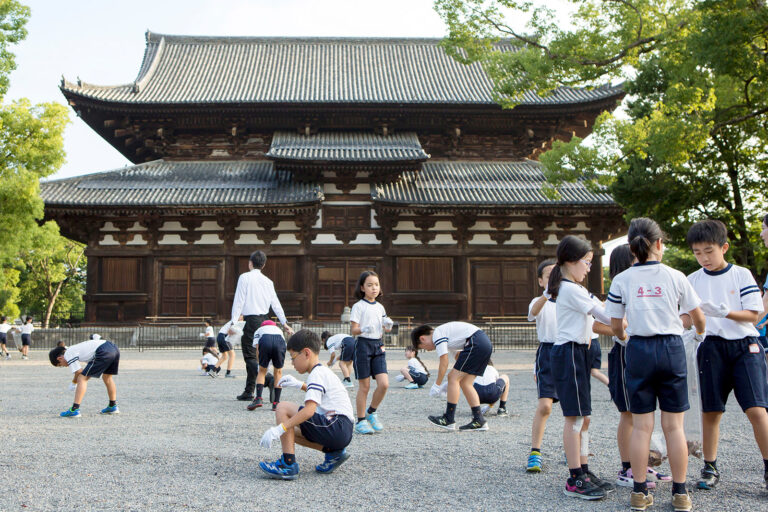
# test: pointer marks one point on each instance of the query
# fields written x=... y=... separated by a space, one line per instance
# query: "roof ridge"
x=153 y=37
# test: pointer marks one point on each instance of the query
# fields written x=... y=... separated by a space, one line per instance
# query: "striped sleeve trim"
x=316 y=386
x=611 y=299
x=614 y=296
x=754 y=289
x=440 y=341
x=74 y=359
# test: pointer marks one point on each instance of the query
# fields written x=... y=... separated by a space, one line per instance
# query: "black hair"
x=570 y=249
x=765 y=219
x=621 y=259
x=544 y=264
x=707 y=231
x=27 y=319
x=325 y=335
x=304 y=339
x=207 y=350
x=359 y=294
x=419 y=332
x=61 y=343
x=55 y=353
x=3 y=318
x=416 y=355
x=643 y=233
x=209 y=321
x=258 y=259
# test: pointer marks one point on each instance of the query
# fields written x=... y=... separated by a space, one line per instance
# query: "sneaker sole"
x=533 y=470
x=484 y=428
x=703 y=486
x=582 y=496
x=278 y=477
x=110 y=413
x=334 y=468
x=451 y=427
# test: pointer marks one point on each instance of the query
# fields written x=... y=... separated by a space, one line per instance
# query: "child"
x=571 y=361
x=26 y=337
x=270 y=345
x=730 y=357
x=4 y=328
x=650 y=294
x=226 y=352
x=369 y=322
x=596 y=359
x=475 y=353
x=414 y=372
x=103 y=359
x=542 y=310
x=208 y=363
x=342 y=347
x=323 y=423
x=491 y=388
x=210 y=342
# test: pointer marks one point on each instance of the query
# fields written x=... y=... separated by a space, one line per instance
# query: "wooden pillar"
x=309 y=280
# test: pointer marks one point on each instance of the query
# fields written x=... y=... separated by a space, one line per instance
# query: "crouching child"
x=325 y=421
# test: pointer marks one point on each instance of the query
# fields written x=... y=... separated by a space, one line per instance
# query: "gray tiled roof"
x=448 y=183
x=168 y=183
x=186 y=69
x=346 y=146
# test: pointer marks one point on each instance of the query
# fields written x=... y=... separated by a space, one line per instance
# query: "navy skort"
x=656 y=371
x=570 y=367
x=369 y=359
x=418 y=378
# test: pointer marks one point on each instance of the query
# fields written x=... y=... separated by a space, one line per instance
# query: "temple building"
x=333 y=156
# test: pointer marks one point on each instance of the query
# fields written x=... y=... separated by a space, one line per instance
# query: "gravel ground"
x=182 y=442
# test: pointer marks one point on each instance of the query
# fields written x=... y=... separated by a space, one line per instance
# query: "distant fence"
x=183 y=336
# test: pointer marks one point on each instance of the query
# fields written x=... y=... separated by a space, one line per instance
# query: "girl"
x=571 y=361
x=415 y=372
x=4 y=328
x=210 y=341
x=369 y=322
x=208 y=363
x=651 y=295
x=26 y=337
x=491 y=387
x=341 y=347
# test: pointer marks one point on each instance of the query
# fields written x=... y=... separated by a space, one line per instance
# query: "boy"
x=471 y=362
x=270 y=346
x=103 y=359
x=324 y=422
x=342 y=347
x=730 y=357
x=226 y=351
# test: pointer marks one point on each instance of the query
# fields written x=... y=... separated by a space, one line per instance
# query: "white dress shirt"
x=254 y=295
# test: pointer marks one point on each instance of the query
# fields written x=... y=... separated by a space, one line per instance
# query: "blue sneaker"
x=411 y=385
x=534 y=463
x=332 y=461
x=69 y=413
x=363 y=427
x=373 y=419
x=110 y=409
x=280 y=470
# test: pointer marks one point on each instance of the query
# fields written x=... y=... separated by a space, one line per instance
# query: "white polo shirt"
x=415 y=365
x=574 y=323
x=82 y=352
x=325 y=389
x=209 y=358
x=254 y=295
x=27 y=329
x=490 y=376
x=371 y=314
x=335 y=342
x=5 y=327
x=265 y=330
x=452 y=336
x=546 y=321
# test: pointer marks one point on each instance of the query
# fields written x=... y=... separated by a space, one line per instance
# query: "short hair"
x=258 y=259
x=324 y=338
x=27 y=319
x=3 y=318
x=55 y=353
x=544 y=264
x=61 y=343
x=418 y=333
x=304 y=339
x=707 y=231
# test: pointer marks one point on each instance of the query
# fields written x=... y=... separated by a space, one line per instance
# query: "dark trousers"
x=250 y=353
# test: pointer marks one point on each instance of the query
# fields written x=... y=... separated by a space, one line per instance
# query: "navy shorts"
x=2 y=338
x=105 y=361
x=490 y=393
x=570 y=367
x=616 y=366
x=369 y=359
x=763 y=342
x=737 y=365
x=595 y=354
x=418 y=378
x=224 y=345
x=271 y=350
x=545 y=381
x=347 y=349
x=26 y=339
x=333 y=434
x=476 y=354
x=656 y=370
x=210 y=343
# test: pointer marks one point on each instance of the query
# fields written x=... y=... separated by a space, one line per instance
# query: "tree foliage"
x=691 y=142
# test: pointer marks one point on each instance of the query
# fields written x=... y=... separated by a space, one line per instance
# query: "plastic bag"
x=658 y=452
x=234 y=339
x=692 y=420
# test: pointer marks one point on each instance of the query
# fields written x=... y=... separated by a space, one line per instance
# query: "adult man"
x=254 y=295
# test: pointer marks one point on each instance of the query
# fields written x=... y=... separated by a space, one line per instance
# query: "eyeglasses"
x=587 y=263
x=293 y=358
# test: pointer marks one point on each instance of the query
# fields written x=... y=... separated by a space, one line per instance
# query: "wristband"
x=701 y=333
x=283 y=427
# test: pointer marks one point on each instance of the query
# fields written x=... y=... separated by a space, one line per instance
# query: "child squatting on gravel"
x=325 y=421
x=415 y=372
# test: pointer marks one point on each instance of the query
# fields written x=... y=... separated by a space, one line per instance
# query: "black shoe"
x=474 y=426
x=606 y=486
x=443 y=423
x=583 y=489
x=709 y=478
x=245 y=397
x=257 y=402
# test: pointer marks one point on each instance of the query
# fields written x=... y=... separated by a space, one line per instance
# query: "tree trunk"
x=743 y=253
x=51 y=302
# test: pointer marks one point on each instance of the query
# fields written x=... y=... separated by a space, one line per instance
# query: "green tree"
x=692 y=142
x=52 y=276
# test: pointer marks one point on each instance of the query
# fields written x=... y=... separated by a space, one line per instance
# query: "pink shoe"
x=658 y=476
x=624 y=479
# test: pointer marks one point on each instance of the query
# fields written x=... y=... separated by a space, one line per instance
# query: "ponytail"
x=640 y=246
x=570 y=249
x=643 y=233
x=416 y=355
x=555 y=278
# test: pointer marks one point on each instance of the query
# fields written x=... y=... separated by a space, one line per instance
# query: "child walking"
x=270 y=344
x=369 y=322
x=415 y=372
x=103 y=358
x=475 y=352
x=730 y=357
x=342 y=347
x=4 y=328
x=571 y=361
x=323 y=423
x=210 y=341
x=491 y=388
x=26 y=337
x=650 y=295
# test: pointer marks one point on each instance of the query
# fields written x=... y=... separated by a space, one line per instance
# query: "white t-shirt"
x=265 y=330
x=735 y=287
x=573 y=305
x=209 y=358
x=452 y=336
x=651 y=295
x=490 y=376
x=84 y=352
x=546 y=321
x=415 y=365
x=208 y=331
x=5 y=327
x=335 y=342
x=27 y=329
x=371 y=314
x=325 y=389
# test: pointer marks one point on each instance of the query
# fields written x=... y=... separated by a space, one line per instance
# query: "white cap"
x=95 y=337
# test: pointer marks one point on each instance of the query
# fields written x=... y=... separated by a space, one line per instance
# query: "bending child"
x=226 y=351
x=491 y=388
x=341 y=347
x=270 y=346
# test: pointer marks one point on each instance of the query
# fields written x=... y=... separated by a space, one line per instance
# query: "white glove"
x=72 y=386
x=719 y=311
x=435 y=390
x=273 y=434
x=623 y=342
x=387 y=322
x=289 y=381
x=400 y=378
x=366 y=330
x=699 y=337
x=202 y=335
